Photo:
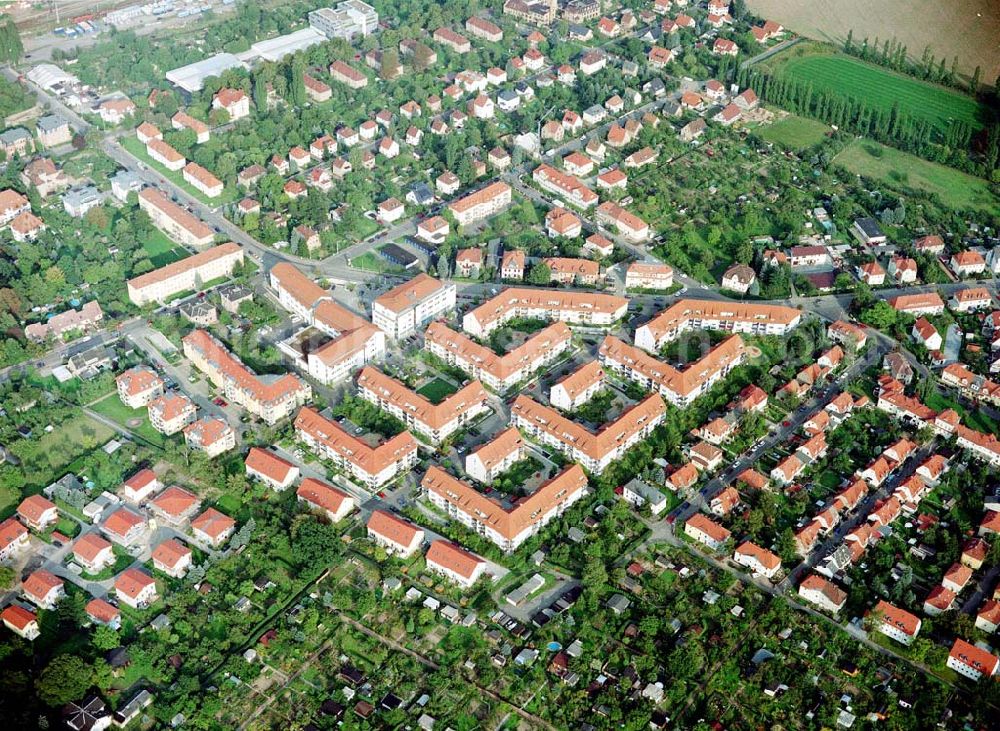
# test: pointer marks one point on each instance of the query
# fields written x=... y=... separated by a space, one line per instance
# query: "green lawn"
x=902 y=170
x=436 y=390
x=45 y=457
x=837 y=73
x=796 y=132
x=162 y=250
x=974 y=419
x=372 y=262
x=10 y=497
x=112 y=407
x=132 y=144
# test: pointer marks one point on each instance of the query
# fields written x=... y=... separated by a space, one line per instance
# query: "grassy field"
x=965 y=28
x=162 y=250
x=796 y=132
x=902 y=170
x=973 y=419
x=112 y=408
x=833 y=72
x=372 y=262
x=436 y=390
x=46 y=456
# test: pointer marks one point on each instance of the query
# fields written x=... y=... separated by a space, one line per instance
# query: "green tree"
x=105 y=638
x=539 y=274
x=11 y=48
x=66 y=678
x=8 y=576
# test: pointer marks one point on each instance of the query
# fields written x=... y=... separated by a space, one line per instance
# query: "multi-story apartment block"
x=679 y=387
x=371 y=466
x=508 y=529
x=595 y=451
x=270 y=398
x=171 y=412
x=498 y=372
x=481 y=204
x=436 y=422
x=138 y=386
x=734 y=317
x=349 y=19
x=582 y=308
x=405 y=309
x=174 y=221
x=577 y=388
x=490 y=460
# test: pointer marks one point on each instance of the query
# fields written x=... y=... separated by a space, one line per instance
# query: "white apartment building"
x=407 y=308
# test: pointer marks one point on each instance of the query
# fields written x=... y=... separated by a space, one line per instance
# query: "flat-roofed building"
x=371 y=466
x=404 y=309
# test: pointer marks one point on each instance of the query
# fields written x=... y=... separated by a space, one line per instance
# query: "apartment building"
x=397 y=536
x=823 y=593
x=490 y=460
x=345 y=74
x=203 y=180
x=565 y=270
x=171 y=412
x=896 y=623
x=971 y=661
x=481 y=204
x=174 y=221
x=183 y=120
x=580 y=308
x=165 y=155
x=679 y=387
x=577 y=388
x=688 y=314
x=270 y=398
x=135 y=588
x=512 y=265
x=649 y=275
x=929 y=303
x=355 y=341
x=706 y=531
x=71 y=320
x=498 y=372
x=759 y=560
x=172 y=558
x=371 y=466
x=210 y=435
x=436 y=422
x=138 y=386
x=405 y=309
x=508 y=529
x=595 y=451
x=566 y=186
x=318 y=495
x=234 y=101
x=269 y=468
x=454 y=563
x=628 y=224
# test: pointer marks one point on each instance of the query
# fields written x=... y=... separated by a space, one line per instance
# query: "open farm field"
x=836 y=73
x=965 y=28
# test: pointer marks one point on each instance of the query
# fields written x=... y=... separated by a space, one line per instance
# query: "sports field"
x=795 y=132
x=837 y=73
x=902 y=170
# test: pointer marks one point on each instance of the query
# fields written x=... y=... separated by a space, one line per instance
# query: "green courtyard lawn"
x=436 y=390
x=798 y=133
x=830 y=71
x=111 y=407
x=45 y=458
x=132 y=144
x=902 y=170
x=161 y=250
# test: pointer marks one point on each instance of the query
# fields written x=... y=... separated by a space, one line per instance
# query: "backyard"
x=135 y=420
